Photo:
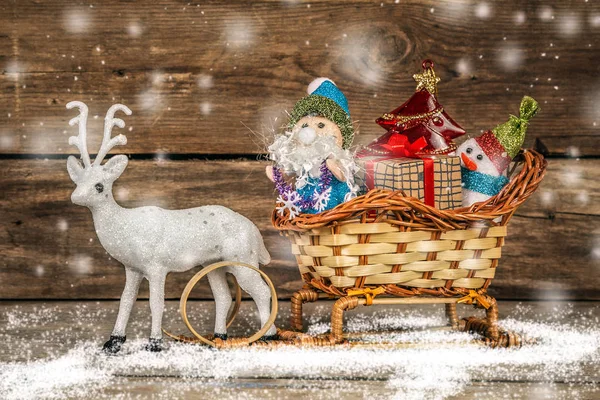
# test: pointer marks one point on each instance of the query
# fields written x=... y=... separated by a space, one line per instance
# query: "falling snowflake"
x=483 y=11
x=135 y=30
x=77 y=21
x=321 y=199
x=510 y=57
x=289 y=201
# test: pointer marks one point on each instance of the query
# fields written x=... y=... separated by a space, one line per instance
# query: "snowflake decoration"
x=289 y=201
x=321 y=199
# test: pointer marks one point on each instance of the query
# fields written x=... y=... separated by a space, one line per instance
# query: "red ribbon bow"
x=400 y=146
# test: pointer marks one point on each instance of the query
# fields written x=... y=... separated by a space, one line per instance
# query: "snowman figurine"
x=485 y=159
x=313 y=152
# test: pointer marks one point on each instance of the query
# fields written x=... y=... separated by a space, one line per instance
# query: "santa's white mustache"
x=293 y=154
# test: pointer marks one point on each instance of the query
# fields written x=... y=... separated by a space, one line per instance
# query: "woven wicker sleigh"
x=386 y=248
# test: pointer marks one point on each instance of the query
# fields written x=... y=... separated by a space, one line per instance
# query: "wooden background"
x=206 y=82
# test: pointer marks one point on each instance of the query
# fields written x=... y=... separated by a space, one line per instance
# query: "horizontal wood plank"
x=50 y=249
x=199 y=77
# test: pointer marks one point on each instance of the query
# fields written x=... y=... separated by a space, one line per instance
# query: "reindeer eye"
x=479 y=157
x=99 y=187
x=321 y=125
x=469 y=150
x=305 y=125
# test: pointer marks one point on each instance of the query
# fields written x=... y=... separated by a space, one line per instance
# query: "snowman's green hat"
x=325 y=99
x=503 y=143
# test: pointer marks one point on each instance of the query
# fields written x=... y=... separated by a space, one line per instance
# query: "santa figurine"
x=313 y=169
x=485 y=159
x=421 y=117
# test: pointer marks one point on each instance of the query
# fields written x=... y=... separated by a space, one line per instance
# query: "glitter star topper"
x=427 y=79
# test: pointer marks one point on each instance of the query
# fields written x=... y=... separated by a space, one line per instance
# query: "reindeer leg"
x=157 y=306
x=252 y=283
x=222 y=295
x=117 y=338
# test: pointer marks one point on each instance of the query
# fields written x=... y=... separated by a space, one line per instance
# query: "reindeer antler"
x=80 y=141
x=109 y=122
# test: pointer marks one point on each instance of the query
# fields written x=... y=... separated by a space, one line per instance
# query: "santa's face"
x=474 y=158
x=308 y=128
x=311 y=141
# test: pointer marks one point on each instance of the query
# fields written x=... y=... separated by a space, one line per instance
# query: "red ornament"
x=422 y=116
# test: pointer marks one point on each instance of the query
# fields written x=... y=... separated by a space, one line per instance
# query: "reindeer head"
x=94 y=181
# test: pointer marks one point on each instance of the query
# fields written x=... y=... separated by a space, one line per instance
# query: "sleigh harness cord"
x=369 y=293
x=474 y=297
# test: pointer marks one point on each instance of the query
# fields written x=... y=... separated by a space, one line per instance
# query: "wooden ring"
x=188 y=288
x=236 y=305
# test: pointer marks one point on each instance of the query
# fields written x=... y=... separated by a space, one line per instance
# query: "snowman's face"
x=309 y=127
x=474 y=158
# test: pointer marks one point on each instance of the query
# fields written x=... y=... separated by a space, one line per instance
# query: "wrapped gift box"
x=437 y=184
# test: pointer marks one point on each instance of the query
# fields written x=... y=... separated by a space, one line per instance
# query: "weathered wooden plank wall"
x=200 y=77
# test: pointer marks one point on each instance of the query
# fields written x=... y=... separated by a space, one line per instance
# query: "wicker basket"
x=384 y=243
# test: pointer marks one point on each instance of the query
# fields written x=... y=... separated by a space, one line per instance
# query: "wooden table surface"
x=40 y=338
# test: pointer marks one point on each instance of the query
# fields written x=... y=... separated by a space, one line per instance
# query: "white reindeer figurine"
x=151 y=242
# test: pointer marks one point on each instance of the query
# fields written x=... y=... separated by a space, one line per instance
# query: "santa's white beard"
x=291 y=156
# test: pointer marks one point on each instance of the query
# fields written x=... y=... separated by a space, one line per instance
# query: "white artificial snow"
x=570 y=24
x=205 y=81
x=240 y=31
x=483 y=10
x=39 y=270
x=440 y=363
x=583 y=197
x=357 y=59
x=77 y=21
x=545 y=13
x=149 y=99
x=464 y=66
x=547 y=197
x=520 y=17
x=510 y=57
x=205 y=108
x=573 y=151
x=7 y=141
x=14 y=68
x=81 y=264
x=135 y=30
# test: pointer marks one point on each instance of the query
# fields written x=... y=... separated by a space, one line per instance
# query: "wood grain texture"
x=50 y=249
x=199 y=77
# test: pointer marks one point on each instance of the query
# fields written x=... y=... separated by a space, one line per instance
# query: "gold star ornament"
x=427 y=79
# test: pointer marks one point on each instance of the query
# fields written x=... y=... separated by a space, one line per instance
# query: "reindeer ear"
x=116 y=165
x=75 y=169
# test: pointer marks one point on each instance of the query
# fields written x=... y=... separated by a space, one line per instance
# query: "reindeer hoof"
x=154 y=345
x=222 y=336
x=269 y=338
x=114 y=344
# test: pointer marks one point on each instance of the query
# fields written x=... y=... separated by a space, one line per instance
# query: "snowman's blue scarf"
x=482 y=183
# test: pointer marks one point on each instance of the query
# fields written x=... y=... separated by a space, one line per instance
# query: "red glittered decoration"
x=430 y=119
x=421 y=116
x=493 y=150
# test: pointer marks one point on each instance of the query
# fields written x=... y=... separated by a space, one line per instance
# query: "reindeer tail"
x=263 y=257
